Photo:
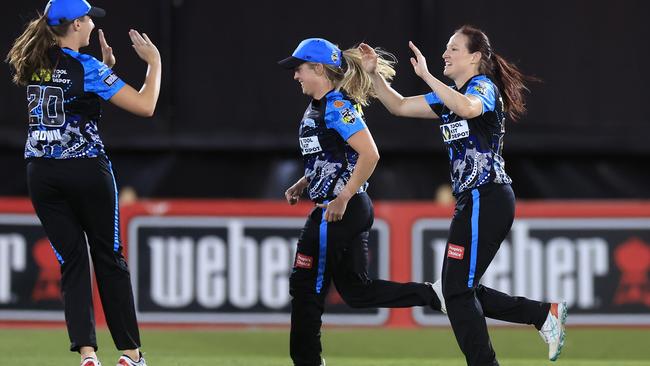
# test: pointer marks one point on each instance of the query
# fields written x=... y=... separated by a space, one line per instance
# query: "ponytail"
x=507 y=77
x=351 y=77
x=511 y=81
x=29 y=53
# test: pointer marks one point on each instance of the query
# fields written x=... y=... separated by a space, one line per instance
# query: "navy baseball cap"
x=317 y=50
x=62 y=11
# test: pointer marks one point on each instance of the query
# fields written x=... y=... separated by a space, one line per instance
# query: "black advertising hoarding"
x=598 y=265
x=29 y=272
x=211 y=269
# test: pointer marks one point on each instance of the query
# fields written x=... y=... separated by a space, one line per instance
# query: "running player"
x=472 y=114
x=339 y=156
x=69 y=176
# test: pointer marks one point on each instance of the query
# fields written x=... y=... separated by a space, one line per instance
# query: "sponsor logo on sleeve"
x=111 y=79
x=338 y=103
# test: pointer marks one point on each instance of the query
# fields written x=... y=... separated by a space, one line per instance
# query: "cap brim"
x=96 y=12
x=291 y=62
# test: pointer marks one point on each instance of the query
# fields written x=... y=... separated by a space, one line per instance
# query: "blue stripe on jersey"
x=432 y=98
x=473 y=252
x=116 y=215
x=58 y=256
x=322 y=251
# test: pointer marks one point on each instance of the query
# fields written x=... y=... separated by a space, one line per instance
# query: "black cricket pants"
x=481 y=221
x=76 y=202
x=339 y=251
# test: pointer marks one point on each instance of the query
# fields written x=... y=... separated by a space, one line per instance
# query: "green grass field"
x=342 y=347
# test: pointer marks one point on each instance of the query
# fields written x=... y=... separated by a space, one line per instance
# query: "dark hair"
x=508 y=78
x=28 y=54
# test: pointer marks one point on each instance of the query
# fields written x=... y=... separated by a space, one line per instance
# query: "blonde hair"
x=28 y=54
x=357 y=83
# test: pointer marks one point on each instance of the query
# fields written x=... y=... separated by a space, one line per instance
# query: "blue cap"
x=62 y=11
x=316 y=50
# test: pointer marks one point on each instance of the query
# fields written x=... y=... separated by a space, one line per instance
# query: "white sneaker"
x=90 y=361
x=437 y=288
x=553 y=331
x=128 y=361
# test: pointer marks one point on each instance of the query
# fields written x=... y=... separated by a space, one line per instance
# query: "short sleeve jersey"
x=324 y=130
x=64 y=106
x=475 y=145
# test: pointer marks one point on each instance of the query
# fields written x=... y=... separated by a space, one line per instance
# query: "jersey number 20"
x=45 y=106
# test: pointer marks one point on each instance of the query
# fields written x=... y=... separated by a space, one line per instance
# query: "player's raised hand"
x=107 y=51
x=368 y=58
x=143 y=46
x=419 y=62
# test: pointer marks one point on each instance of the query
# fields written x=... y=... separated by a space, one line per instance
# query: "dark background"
x=226 y=122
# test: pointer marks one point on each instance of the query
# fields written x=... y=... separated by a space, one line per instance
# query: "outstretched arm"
x=142 y=102
x=463 y=105
x=415 y=106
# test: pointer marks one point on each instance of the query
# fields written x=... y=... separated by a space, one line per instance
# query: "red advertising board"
x=228 y=262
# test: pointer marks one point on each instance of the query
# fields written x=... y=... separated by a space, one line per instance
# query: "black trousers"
x=482 y=220
x=76 y=202
x=339 y=251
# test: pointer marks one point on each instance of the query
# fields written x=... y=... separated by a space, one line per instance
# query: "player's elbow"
x=145 y=111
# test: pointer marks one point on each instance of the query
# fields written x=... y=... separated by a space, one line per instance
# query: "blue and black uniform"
x=74 y=193
x=336 y=250
x=485 y=209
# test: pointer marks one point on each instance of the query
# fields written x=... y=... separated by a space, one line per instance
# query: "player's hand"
x=292 y=194
x=419 y=62
x=107 y=51
x=143 y=46
x=335 y=209
x=368 y=58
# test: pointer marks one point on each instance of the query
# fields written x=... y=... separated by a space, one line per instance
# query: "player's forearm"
x=455 y=101
x=151 y=88
x=388 y=96
x=366 y=163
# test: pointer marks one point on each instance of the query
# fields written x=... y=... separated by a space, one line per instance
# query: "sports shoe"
x=437 y=288
x=553 y=331
x=128 y=361
x=90 y=361
x=322 y=362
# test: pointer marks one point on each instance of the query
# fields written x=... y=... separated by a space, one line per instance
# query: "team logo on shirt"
x=110 y=79
x=42 y=75
x=481 y=88
x=347 y=115
x=338 y=103
x=454 y=131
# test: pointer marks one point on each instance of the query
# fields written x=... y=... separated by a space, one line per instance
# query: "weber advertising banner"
x=29 y=271
x=228 y=262
x=599 y=266
x=205 y=269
